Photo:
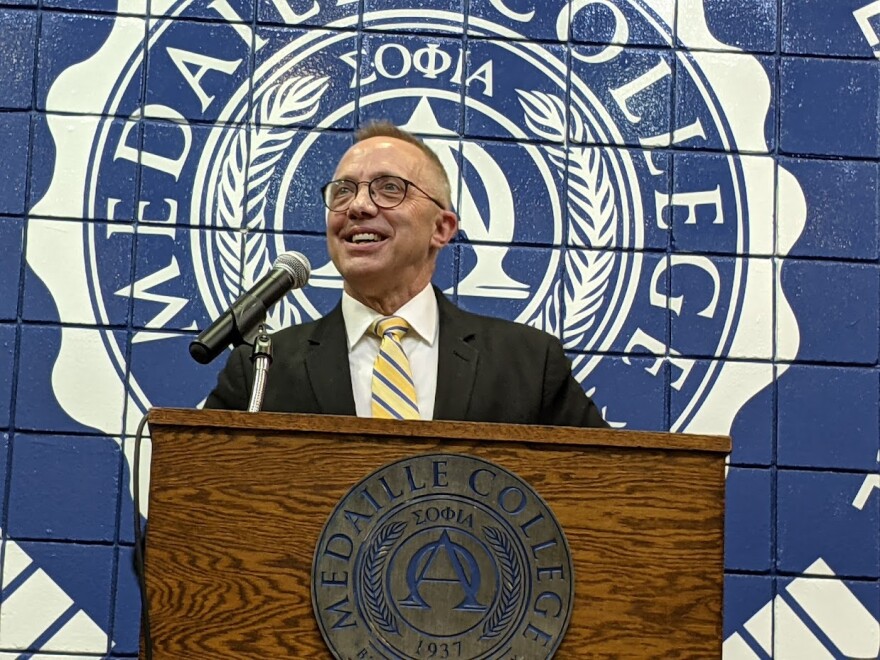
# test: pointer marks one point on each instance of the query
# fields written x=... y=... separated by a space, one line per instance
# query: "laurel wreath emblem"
x=593 y=219
x=244 y=183
x=505 y=607
x=371 y=577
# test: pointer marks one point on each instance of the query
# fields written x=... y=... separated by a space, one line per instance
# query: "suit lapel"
x=327 y=365
x=329 y=373
x=457 y=362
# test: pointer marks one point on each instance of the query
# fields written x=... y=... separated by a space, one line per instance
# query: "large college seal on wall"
x=442 y=556
x=573 y=178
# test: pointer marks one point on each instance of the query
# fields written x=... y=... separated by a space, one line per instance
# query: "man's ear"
x=445 y=229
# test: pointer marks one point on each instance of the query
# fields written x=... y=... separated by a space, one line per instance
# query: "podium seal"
x=442 y=556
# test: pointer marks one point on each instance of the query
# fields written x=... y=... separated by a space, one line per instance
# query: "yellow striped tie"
x=394 y=393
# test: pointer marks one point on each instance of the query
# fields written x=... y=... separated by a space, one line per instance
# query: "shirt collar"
x=420 y=312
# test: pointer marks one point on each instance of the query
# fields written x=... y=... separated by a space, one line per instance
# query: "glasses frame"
x=406 y=186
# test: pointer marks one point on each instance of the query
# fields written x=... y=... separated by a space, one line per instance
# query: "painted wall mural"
x=685 y=193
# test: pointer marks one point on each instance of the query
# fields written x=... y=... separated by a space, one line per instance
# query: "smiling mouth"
x=364 y=237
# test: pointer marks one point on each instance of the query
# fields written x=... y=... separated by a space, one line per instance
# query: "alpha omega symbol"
x=442 y=555
x=465 y=572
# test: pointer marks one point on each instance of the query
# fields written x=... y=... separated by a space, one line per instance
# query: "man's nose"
x=363 y=201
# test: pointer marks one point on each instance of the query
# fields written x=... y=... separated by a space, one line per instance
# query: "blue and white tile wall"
x=686 y=193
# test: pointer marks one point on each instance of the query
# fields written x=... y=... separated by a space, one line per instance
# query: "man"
x=388 y=217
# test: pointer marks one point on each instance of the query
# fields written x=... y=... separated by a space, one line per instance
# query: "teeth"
x=365 y=238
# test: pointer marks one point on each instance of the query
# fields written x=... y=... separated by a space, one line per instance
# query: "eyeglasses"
x=385 y=191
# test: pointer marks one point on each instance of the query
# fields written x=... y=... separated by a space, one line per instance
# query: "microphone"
x=289 y=271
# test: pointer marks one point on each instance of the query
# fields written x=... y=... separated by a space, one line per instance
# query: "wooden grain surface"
x=236 y=511
x=379 y=428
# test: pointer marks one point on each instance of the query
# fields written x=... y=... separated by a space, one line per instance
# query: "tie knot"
x=393 y=326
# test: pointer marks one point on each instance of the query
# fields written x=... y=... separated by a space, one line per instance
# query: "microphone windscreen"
x=297 y=265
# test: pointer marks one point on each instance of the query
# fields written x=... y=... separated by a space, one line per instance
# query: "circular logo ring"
x=442 y=555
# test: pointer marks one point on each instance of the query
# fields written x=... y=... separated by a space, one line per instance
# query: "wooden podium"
x=237 y=503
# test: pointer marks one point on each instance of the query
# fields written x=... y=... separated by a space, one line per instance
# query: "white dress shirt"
x=420 y=343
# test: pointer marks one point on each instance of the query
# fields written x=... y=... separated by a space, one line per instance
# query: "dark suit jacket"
x=489 y=370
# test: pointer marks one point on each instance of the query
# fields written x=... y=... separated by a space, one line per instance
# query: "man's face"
x=381 y=250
